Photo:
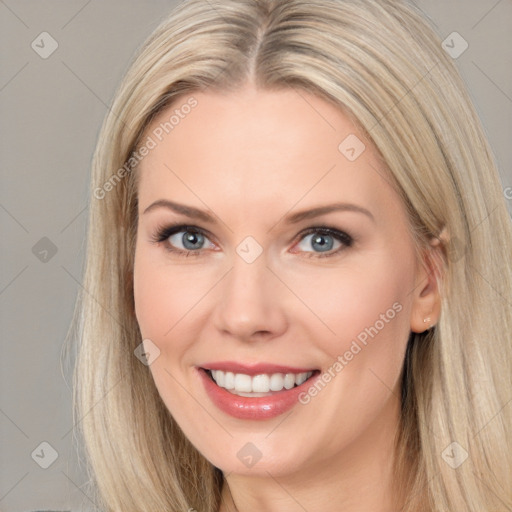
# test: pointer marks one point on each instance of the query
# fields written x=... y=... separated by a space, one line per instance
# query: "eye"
x=183 y=240
x=323 y=240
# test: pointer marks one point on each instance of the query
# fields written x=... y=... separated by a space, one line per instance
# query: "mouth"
x=250 y=393
x=263 y=384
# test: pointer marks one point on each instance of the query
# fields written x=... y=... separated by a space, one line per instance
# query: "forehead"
x=254 y=147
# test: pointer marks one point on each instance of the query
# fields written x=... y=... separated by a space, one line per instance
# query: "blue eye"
x=190 y=238
x=323 y=240
x=186 y=240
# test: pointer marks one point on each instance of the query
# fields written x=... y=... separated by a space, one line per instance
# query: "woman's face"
x=286 y=256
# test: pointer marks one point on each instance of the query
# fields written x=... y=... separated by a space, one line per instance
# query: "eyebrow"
x=189 y=211
x=196 y=213
x=322 y=210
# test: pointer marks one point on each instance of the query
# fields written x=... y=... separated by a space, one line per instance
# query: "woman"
x=298 y=282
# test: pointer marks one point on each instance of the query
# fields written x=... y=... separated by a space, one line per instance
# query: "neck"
x=357 y=479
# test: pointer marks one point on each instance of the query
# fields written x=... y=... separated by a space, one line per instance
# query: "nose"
x=250 y=306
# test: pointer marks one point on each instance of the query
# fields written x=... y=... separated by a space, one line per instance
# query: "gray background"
x=51 y=112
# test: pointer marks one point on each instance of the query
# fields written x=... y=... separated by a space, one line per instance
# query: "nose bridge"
x=249 y=303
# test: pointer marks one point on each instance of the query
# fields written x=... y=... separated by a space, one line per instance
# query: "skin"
x=251 y=158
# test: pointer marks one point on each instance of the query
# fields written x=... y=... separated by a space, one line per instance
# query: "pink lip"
x=258 y=408
x=253 y=369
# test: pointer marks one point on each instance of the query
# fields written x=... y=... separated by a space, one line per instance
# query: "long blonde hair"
x=381 y=62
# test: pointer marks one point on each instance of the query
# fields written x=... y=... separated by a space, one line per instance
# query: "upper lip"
x=254 y=368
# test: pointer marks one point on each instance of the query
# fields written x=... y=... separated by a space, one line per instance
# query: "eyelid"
x=164 y=231
x=339 y=234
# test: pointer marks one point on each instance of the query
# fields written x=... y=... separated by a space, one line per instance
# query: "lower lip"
x=257 y=408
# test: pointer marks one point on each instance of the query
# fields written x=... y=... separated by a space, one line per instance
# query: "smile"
x=242 y=384
x=255 y=392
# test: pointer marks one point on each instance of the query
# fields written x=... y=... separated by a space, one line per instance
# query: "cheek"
x=164 y=295
x=360 y=302
x=164 y=299
x=153 y=298
x=368 y=308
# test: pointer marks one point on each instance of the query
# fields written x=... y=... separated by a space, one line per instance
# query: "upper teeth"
x=242 y=383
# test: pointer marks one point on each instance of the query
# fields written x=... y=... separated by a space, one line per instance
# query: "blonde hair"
x=381 y=63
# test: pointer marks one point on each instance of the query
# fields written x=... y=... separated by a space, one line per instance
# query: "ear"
x=426 y=307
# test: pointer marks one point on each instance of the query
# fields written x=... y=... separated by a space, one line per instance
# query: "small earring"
x=429 y=321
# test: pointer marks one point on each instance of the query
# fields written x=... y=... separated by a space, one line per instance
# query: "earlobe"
x=428 y=321
x=426 y=307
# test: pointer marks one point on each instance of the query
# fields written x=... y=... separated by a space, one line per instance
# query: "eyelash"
x=164 y=232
